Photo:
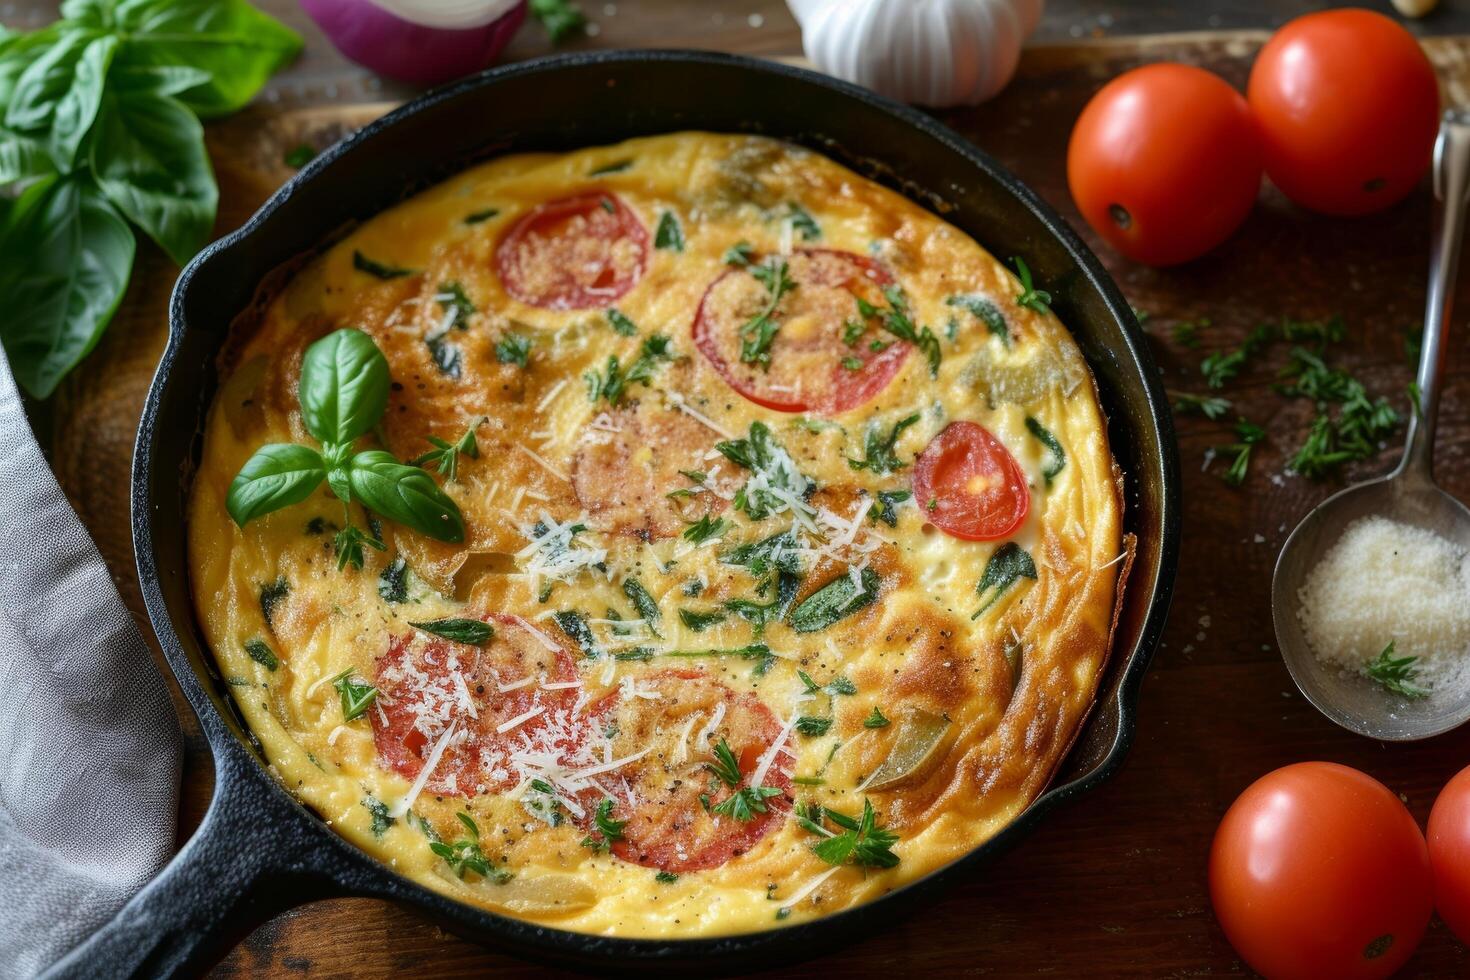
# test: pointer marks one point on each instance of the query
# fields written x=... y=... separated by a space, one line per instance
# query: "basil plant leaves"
x=343 y=394
x=100 y=139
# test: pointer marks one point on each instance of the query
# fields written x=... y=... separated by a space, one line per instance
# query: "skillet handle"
x=239 y=869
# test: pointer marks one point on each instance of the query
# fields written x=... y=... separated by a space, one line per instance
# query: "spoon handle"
x=1451 y=188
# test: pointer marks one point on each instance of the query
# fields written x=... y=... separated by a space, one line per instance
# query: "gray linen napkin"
x=89 y=744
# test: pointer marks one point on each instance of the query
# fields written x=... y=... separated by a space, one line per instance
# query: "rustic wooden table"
x=1114 y=885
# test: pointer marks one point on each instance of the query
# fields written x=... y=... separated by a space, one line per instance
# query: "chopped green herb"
x=746 y=801
x=840 y=685
x=465 y=854
x=834 y=601
x=620 y=323
x=347 y=546
x=476 y=217
x=986 y=312
x=393 y=581
x=802 y=221
x=1008 y=565
x=814 y=727
x=884 y=510
x=643 y=603
x=1248 y=434
x=760 y=330
x=852 y=363
x=669 y=235
x=261 y=653
x=738 y=254
x=1186 y=332
x=1036 y=299
x=875 y=719
x=471 y=631
x=1396 y=674
x=452 y=297
x=446 y=354
x=761 y=614
x=380 y=270
x=700 y=621
x=445 y=455
x=1056 y=455
x=707 y=528
x=665 y=877
x=616 y=167
x=753 y=651
x=608 y=829
x=513 y=348
x=1209 y=406
x=897 y=321
x=1221 y=366
x=271 y=596
x=575 y=626
x=300 y=156
x=612 y=383
x=562 y=19
x=381 y=818
x=878 y=455
x=1361 y=422
x=356 y=696
x=779 y=551
x=862 y=841
x=768 y=460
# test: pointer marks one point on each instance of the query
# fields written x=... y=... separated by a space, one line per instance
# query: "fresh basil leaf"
x=272 y=594
x=471 y=631
x=22 y=157
x=699 y=621
x=278 y=475
x=65 y=257
x=156 y=79
x=77 y=108
x=1008 y=565
x=148 y=157
x=834 y=601
x=405 y=494
x=238 y=46
x=45 y=79
x=644 y=603
x=19 y=51
x=813 y=727
x=344 y=386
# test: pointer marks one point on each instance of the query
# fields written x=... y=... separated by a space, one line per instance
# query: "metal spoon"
x=1407 y=495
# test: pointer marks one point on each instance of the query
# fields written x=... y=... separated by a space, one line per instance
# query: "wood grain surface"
x=1114 y=885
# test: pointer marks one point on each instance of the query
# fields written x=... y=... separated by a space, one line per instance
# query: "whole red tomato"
x=1348 y=107
x=1164 y=163
x=1317 y=871
x=1449 y=853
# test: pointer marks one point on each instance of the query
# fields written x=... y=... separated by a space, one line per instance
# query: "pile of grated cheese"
x=1386 y=581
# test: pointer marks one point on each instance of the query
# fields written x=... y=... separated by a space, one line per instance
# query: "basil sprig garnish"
x=343 y=394
x=471 y=631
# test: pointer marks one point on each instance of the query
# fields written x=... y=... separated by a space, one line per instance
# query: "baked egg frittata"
x=777 y=548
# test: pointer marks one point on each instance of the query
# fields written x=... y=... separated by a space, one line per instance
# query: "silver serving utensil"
x=1408 y=494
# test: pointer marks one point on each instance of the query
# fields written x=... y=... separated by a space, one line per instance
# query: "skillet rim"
x=521 y=936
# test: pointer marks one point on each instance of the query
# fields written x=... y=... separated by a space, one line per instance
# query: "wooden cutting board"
x=1116 y=884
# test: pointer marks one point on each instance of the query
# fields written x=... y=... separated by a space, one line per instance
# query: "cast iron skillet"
x=258 y=851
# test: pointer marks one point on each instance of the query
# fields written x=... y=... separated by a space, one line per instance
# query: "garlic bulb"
x=930 y=52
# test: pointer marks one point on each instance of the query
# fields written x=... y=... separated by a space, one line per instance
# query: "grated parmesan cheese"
x=1386 y=581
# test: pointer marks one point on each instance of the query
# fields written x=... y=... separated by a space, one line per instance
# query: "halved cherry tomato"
x=969 y=485
x=1449 y=853
x=575 y=253
x=1347 y=106
x=813 y=365
x=1164 y=163
x=1318 y=870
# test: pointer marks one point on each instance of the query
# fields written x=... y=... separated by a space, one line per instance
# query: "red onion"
x=419 y=41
